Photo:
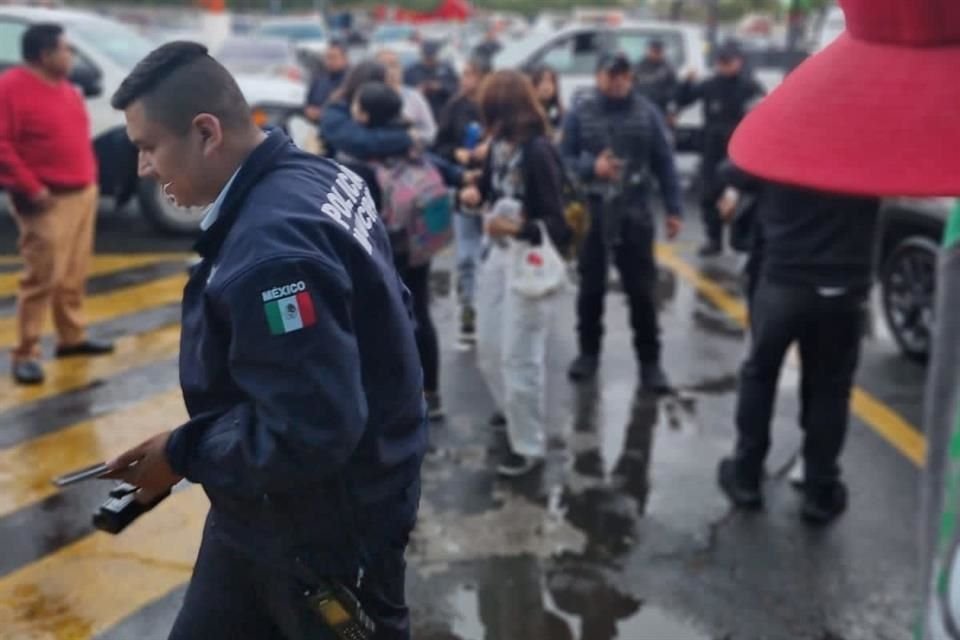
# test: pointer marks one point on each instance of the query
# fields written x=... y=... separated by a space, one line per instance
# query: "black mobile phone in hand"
x=92 y=472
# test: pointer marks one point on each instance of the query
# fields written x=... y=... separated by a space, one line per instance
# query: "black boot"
x=743 y=492
x=653 y=379
x=585 y=367
x=824 y=502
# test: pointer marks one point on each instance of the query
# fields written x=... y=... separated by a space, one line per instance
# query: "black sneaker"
x=653 y=379
x=498 y=419
x=85 y=348
x=743 y=494
x=27 y=372
x=823 y=503
x=710 y=249
x=468 y=327
x=434 y=407
x=584 y=367
x=515 y=465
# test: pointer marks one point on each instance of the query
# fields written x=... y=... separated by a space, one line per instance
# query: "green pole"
x=940 y=552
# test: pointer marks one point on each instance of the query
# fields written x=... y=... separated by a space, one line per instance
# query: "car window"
x=577 y=54
x=10 y=35
x=635 y=43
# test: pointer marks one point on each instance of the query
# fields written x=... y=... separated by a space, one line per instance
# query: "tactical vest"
x=628 y=133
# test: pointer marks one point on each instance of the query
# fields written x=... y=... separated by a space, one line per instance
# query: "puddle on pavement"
x=561 y=605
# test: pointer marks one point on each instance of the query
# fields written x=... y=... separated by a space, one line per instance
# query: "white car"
x=105 y=53
x=308 y=34
x=574 y=52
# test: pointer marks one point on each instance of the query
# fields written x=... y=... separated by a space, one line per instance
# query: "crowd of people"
x=305 y=357
x=512 y=152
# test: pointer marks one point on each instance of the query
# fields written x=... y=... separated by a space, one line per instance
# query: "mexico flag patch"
x=288 y=308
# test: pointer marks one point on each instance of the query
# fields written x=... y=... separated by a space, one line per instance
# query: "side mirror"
x=89 y=79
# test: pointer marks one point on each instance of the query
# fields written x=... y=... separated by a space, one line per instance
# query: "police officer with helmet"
x=299 y=371
x=617 y=143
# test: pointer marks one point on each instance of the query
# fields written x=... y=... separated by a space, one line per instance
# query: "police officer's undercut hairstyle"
x=39 y=39
x=179 y=81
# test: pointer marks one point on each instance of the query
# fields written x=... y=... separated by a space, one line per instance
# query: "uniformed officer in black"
x=617 y=143
x=726 y=97
x=657 y=79
x=298 y=366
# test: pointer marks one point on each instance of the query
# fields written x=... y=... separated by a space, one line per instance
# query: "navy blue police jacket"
x=300 y=371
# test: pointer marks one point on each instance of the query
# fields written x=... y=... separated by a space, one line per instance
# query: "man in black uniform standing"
x=726 y=97
x=657 y=79
x=616 y=140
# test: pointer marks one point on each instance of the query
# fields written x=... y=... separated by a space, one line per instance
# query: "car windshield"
x=515 y=53
x=123 y=46
x=293 y=31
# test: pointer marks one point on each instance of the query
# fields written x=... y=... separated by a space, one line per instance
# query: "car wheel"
x=163 y=215
x=908 y=282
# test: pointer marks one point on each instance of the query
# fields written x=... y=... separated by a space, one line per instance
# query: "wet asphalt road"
x=623 y=535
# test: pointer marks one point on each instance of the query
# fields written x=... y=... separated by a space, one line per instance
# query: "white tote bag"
x=537 y=271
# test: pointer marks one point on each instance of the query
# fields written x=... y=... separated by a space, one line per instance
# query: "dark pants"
x=417 y=280
x=714 y=154
x=828 y=331
x=633 y=256
x=231 y=598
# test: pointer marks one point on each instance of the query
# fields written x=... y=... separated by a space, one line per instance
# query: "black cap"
x=614 y=62
x=729 y=51
x=431 y=48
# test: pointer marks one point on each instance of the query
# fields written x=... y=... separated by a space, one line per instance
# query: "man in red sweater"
x=48 y=168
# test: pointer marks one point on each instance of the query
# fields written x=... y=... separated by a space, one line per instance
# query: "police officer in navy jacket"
x=298 y=367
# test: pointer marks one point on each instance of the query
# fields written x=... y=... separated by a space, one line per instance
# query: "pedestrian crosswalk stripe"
x=100 y=266
x=27 y=468
x=116 y=303
x=87 y=587
x=76 y=373
x=883 y=420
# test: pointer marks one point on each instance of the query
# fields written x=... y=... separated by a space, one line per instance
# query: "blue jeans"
x=468 y=231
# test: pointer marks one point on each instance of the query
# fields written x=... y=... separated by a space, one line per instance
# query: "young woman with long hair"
x=521 y=187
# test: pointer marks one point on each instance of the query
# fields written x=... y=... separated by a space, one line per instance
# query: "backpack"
x=416 y=208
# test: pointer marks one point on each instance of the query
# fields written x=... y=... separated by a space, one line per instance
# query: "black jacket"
x=300 y=371
x=542 y=192
x=657 y=81
x=452 y=125
x=812 y=238
x=597 y=123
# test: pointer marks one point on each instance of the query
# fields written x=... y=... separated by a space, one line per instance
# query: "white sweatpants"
x=511 y=352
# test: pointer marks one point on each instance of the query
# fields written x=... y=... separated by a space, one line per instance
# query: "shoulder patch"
x=288 y=308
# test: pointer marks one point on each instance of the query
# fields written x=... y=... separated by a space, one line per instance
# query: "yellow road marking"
x=101 y=265
x=119 y=302
x=26 y=469
x=886 y=422
x=75 y=373
x=91 y=585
